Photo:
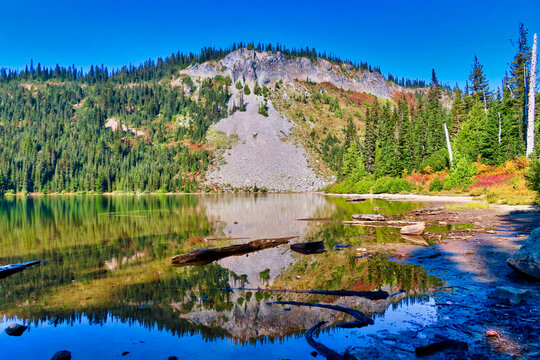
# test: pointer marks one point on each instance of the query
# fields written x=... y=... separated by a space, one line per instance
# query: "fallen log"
x=426 y=211
x=388 y=223
x=325 y=351
x=440 y=346
x=363 y=320
x=354 y=200
x=7 y=270
x=371 y=295
x=206 y=256
x=309 y=247
x=368 y=217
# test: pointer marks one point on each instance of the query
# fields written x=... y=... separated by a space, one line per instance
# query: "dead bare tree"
x=450 y=155
x=532 y=102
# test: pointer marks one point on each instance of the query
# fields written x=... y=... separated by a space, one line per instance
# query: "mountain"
x=184 y=123
x=250 y=66
x=270 y=151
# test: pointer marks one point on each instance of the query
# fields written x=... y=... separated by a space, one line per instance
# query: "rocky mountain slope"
x=272 y=152
x=262 y=155
x=250 y=66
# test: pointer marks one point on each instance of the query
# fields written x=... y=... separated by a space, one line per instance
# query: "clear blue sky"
x=406 y=38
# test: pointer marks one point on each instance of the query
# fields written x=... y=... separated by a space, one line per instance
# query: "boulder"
x=62 y=355
x=510 y=294
x=16 y=329
x=368 y=217
x=527 y=259
x=416 y=229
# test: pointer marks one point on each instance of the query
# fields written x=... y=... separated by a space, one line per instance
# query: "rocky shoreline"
x=471 y=306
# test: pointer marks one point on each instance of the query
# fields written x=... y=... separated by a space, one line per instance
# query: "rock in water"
x=62 y=355
x=527 y=259
x=16 y=329
x=416 y=229
x=415 y=239
x=368 y=217
x=510 y=294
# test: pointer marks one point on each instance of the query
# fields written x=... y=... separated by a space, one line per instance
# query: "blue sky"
x=406 y=38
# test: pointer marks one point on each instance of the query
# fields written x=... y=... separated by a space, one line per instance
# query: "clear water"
x=108 y=287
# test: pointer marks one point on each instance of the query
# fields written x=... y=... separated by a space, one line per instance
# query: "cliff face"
x=250 y=66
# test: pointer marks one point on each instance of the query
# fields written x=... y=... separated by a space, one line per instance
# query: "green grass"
x=467 y=206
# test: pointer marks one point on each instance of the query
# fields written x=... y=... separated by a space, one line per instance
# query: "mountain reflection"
x=110 y=256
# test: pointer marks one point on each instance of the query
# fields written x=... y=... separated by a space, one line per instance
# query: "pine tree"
x=488 y=142
x=479 y=84
x=516 y=84
x=458 y=112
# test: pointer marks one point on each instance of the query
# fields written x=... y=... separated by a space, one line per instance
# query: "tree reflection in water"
x=110 y=256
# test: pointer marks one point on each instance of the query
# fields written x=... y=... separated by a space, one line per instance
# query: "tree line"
x=156 y=69
x=54 y=137
x=484 y=125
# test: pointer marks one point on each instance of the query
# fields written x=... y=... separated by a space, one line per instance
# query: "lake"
x=108 y=290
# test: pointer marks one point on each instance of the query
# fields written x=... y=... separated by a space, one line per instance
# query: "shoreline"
x=472 y=265
x=390 y=197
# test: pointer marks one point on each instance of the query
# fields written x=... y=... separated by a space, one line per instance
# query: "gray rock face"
x=416 y=229
x=527 y=259
x=263 y=156
x=264 y=67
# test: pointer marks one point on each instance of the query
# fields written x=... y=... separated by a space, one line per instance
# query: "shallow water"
x=108 y=286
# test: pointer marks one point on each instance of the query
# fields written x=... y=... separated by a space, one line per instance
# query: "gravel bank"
x=263 y=156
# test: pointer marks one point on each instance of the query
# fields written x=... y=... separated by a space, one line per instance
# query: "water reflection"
x=109 y=264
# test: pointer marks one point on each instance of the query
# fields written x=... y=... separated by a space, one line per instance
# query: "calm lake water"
x=108 y=287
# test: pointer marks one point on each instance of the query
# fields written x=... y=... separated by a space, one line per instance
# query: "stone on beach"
x=416 y=229
x=510 y=294
x=527 y=259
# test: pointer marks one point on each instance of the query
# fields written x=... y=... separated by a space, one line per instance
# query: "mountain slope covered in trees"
x=56 y=133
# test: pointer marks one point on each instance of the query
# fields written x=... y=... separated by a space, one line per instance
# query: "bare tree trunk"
x=485 y=103
x=532 y=104
x=450 y=155
x=500 y=127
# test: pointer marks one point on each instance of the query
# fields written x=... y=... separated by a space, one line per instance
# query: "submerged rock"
x=510 y=294
x=416 y=229
x=62 y=355
x=527 y=259
x=16 y=329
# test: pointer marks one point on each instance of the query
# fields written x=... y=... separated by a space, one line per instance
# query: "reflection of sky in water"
x=107 y=253
x=110 y=339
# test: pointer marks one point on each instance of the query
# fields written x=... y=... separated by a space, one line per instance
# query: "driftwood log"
x=325 y=351
x=362 y=320
x=206 y=256
x=368 y=217
x=389 y=223
x=371 y=295
x=7 y=270
x=426 y=211
x=353 y=200
x=310 y=247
